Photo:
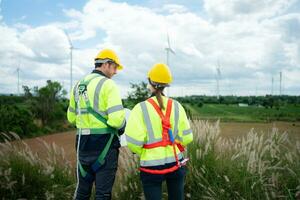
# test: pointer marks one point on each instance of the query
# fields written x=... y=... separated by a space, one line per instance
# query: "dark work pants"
x=104 y=179
x=152 y=185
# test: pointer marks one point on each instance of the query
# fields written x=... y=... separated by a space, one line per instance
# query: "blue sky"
x=37 y=12
x=251 y=41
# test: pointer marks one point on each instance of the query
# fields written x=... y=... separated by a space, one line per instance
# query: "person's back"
x=96 y=109
x=158 y=130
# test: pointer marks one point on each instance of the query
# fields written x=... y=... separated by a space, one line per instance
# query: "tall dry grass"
x=255 y=166
x=25 y=175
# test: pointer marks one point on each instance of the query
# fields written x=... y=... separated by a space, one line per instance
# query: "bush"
x=16 y=118
x=11 y=100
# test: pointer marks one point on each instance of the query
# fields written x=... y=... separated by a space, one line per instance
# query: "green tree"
x=46 y=104
x=16 y=118
x=27 y=93
x=139 y=93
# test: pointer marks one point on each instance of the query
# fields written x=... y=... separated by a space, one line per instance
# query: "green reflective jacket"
x=104 y=98
x=145 y=127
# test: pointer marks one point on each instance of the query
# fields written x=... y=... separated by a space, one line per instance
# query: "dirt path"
x=66 y=140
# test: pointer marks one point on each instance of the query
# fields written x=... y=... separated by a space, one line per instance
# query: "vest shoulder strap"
x=158 y=110
x=82 y=91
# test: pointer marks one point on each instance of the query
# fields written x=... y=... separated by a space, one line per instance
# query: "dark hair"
x=98 y=65
x=158 y=94
x=159 y=88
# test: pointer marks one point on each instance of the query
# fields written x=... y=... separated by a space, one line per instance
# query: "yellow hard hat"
x=160 y=73
x=108 y=55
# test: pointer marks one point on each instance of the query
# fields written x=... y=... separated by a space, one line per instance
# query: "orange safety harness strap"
x=167 y=138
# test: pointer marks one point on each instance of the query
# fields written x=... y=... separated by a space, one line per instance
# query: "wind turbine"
x=168 y=50
x=18 y=76
x=280 y=83
x=71 y=47
x=218 y=79
x=18 y=71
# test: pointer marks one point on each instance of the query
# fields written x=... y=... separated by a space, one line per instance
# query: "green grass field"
x=245 y=114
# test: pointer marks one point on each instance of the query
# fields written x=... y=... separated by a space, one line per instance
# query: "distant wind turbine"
x=71 y=47
x=18 y=71
x=218 y=79
x=168 y=51
x=18 y=76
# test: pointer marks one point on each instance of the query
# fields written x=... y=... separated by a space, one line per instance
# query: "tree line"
x=37 y=111
x=267 y=101
x=43 y=110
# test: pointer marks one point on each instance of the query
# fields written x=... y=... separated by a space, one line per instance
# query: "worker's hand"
x=122 y=130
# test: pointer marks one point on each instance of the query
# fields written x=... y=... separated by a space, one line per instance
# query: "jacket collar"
x=99 y=72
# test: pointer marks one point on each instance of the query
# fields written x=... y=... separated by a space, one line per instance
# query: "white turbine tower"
x=71 y=47
x=280 y=83
x=218 y=79
x=168 y=51
x=18 y=70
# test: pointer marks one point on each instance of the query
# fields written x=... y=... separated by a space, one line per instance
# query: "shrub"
x=16 y=118
x=25 y=175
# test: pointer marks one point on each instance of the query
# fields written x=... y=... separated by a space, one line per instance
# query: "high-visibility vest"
x=84 y=108
x=104 y=97
x=167 y=139
x=144 y=127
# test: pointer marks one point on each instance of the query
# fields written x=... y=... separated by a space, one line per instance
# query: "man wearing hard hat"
x=97 y=111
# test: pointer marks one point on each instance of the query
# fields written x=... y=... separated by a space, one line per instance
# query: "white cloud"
x=223 y=10
x=251 y=40
x=174 y=8
x=1 y=11
x=47 y=42
x=39 y=52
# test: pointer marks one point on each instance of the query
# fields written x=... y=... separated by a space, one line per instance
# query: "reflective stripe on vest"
x=187 y=132
x=147 y=121
x=134 y=141
x=176 y=118
x=148 y=124
x=99 y=116
x=96 y=97
x=95 y=131
x=149 y=163
x=167 y=139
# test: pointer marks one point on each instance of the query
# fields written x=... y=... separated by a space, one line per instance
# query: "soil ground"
x=66 y=140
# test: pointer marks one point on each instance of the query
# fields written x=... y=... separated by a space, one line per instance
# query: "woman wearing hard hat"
x=158 y=131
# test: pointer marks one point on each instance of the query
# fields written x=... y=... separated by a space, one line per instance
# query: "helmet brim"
x=119 y=67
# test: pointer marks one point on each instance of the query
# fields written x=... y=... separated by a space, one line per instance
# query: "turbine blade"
x=168 y=40
x=69 y=39
x=172 y=51
x=169 y=44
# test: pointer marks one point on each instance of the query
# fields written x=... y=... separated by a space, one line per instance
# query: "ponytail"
x=158 y=94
